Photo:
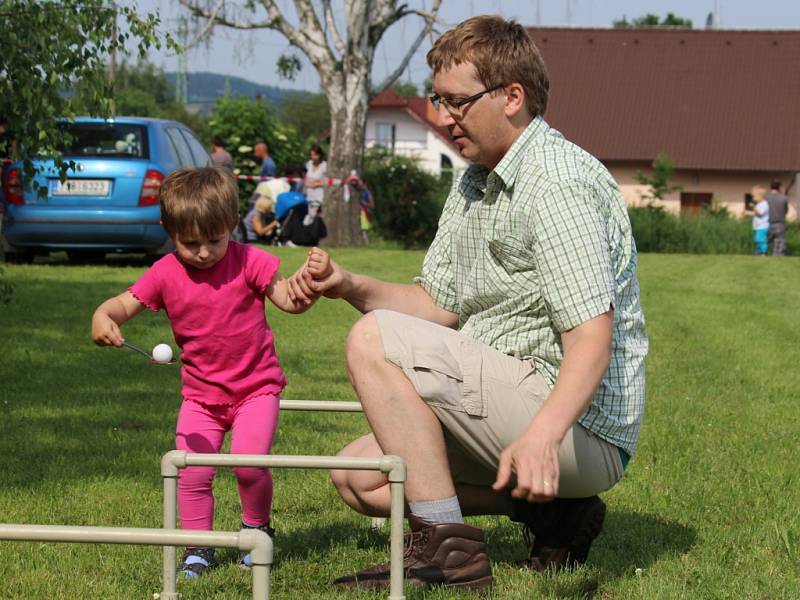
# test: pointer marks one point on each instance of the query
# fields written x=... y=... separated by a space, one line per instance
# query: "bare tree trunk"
x=348 y=95
x=344 y=64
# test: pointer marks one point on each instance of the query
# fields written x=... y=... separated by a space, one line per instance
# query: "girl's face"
x=316 y=157
x=200 y=252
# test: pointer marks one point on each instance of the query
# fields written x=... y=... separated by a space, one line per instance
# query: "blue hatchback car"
x=110 y=202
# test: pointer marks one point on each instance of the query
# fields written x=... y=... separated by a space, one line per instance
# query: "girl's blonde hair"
x=265 y=204
x=758 y=192
x=202 y=200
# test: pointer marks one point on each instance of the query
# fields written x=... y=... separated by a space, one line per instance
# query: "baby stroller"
x=293 y=230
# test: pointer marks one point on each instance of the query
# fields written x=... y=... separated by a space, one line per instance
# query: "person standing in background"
x=221 y=157
x=268 y=167
x=778 y=206
x=316 y=173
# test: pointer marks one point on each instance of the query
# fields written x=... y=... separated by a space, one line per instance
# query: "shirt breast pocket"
x=511 y=254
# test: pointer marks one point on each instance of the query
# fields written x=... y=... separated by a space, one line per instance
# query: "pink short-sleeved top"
x=217 y=317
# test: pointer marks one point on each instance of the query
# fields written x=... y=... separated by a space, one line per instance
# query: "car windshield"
x=106 y=139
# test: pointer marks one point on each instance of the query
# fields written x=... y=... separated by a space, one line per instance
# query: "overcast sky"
x=252 y=54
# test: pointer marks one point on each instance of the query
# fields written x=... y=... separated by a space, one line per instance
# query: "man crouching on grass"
x=510 y=376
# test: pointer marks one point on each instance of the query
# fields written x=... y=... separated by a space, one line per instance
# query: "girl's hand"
x=319 y=264
x=105 y=332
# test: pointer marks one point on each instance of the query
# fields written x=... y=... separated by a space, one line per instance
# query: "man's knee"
x=363 y=342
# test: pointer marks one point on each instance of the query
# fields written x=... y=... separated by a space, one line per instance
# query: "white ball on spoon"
x=162 y=353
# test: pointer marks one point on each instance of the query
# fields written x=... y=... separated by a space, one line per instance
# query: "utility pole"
x=182 y=76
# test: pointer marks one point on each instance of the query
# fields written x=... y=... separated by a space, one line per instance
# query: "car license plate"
x=80 y=187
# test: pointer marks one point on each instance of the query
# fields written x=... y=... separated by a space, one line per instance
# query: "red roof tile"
x=419 y=109
x=709 y=99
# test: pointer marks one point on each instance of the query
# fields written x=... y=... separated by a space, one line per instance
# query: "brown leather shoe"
x=447 y=554
x=559 y=533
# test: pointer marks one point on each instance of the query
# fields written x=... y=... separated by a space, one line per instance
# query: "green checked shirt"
x=538 y=246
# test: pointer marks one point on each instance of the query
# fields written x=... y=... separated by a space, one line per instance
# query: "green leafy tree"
x=408 y=200
x=308 y=114
x=51 y=46
x=243 y=122
x=143 y=90
x=406 y=89
x=650 y=20
x=659 y=180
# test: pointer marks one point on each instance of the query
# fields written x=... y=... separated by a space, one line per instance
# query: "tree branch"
x=214 y=17
x=206 y=28
x=310 y=38
x=331 y=25
x=430 y=19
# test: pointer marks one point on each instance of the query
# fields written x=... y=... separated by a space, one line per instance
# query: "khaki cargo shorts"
x=485 y=400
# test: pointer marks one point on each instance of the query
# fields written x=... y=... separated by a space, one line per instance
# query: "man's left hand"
x=534 y=459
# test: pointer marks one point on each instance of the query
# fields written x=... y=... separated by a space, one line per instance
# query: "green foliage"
x=408 y=200
x=242 y=123
x=658 y=181
x=406 y=89
x=650 y=20
x=288 y=66
x=714 y=231
x=48 y=47
x=309 y=114
x=142 y=90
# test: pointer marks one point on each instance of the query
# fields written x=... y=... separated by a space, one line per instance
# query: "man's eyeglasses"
x=454 y=104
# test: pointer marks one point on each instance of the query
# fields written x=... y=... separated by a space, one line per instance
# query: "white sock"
x=446 y=510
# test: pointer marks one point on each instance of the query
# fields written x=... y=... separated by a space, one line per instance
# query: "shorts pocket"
x=473 y=399
x=449 y=375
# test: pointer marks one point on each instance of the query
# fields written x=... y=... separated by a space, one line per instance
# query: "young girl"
x=213 y=291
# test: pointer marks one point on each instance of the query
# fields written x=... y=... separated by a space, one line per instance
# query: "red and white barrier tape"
x=328 y=181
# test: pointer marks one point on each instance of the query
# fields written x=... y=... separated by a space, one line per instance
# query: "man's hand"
x=318 y=276
x=534 y=459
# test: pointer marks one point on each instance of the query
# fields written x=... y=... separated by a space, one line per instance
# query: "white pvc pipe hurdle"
x=254 y=541
x=329 y=406
x=393 y=466
x=322 y=405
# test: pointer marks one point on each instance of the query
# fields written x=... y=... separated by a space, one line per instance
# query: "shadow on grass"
x=629 y=541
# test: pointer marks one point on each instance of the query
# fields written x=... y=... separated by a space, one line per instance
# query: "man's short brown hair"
x=502 y=53
x=202 y=200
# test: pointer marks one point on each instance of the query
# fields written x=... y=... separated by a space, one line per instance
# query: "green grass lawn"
x=708 y=507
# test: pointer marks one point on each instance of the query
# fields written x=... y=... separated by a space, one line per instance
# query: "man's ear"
x=515 y=99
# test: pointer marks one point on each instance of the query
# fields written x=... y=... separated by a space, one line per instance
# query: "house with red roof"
x=407 y=126
x=724 y=105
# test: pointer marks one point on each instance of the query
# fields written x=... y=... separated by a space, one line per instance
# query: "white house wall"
x=412 y=138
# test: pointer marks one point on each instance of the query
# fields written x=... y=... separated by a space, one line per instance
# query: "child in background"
x=213 y=291
x=760 y=214
x=366 y=206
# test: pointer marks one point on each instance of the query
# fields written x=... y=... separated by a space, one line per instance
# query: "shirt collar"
x=509 y=165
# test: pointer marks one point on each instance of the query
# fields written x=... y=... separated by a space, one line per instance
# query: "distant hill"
x=206 y=88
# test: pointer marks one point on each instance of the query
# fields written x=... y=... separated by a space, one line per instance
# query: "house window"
x=693 y=203
x=384 y=135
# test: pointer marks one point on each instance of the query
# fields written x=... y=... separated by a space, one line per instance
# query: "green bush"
x=712 y=232
x=408 y=200
x=242 y=123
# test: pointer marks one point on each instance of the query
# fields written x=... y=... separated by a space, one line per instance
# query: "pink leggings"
x=201 y=429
